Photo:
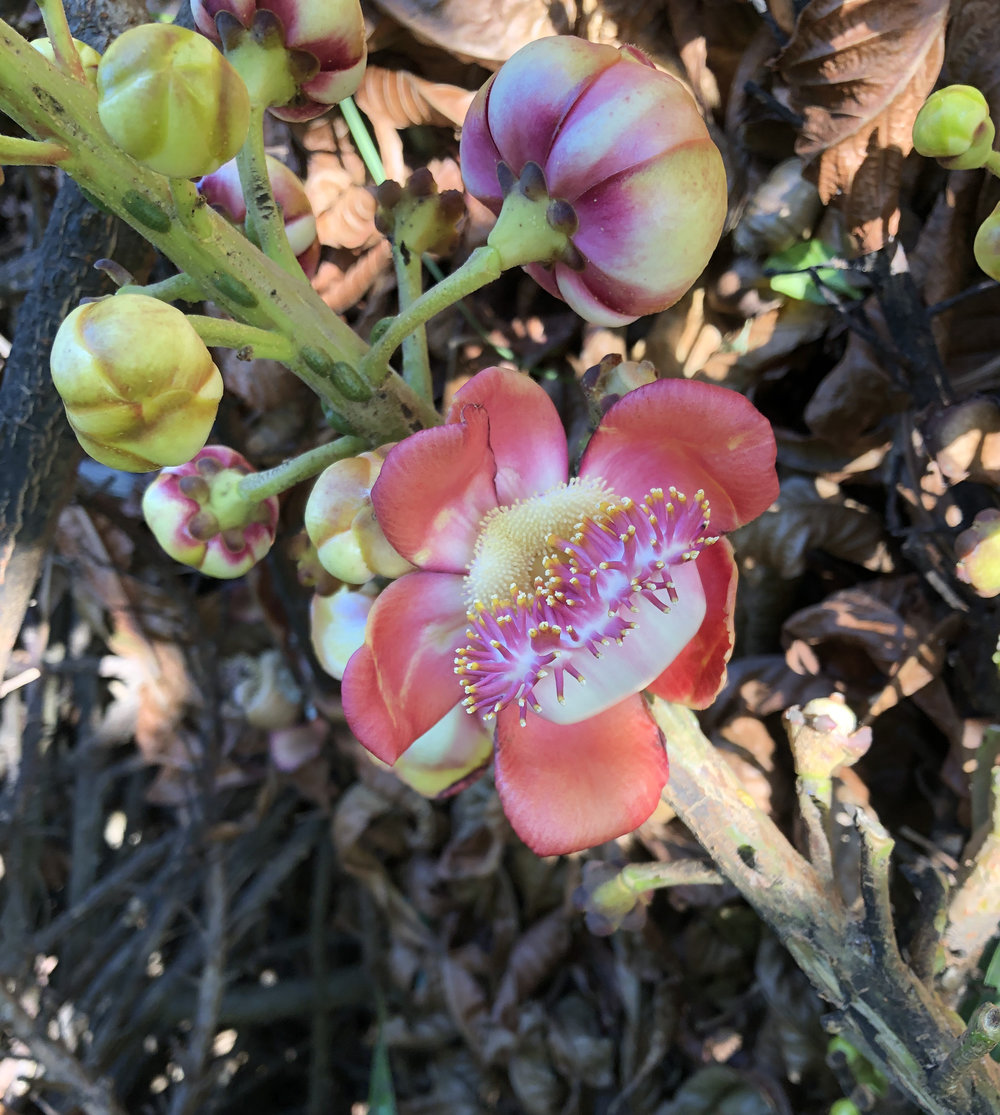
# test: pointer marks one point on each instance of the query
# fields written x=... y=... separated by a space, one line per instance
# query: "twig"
x=61 y=1067
x=981 y=1037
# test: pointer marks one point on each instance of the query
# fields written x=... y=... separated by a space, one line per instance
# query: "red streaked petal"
x=690 y=435
x=478 y=153
x=402 y=681
x=526 y=433
x=434 y=490
x=696 y=675
x=569 y=787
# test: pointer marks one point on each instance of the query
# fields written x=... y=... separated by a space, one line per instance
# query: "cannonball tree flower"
x=620 y=157
x=222 y=190
x=544 y=605
x=322 y=43
x=200 y=517
x=138 y=384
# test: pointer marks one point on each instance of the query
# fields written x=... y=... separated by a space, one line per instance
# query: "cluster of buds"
x=222 y=190
x=169 y=98
x=299 y=57
x=200 y=517
x=139 y=385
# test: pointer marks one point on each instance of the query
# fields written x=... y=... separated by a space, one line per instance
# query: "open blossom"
x=627 y=161
x=544 y=605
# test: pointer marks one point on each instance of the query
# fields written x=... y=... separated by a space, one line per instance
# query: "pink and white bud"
x=222 y=190
x=632 y=173
x=337 y=626
x=341 y=523
x=199 y=516
x=331 y=31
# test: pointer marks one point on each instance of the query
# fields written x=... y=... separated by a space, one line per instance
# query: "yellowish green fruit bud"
x=168 y=97
x=986 y=246
x=342 y=525
x=954 y=127
x=89 y=58
x=138 y=383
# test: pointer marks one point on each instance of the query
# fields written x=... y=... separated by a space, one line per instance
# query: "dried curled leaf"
x=403 y=99
x=858 y=72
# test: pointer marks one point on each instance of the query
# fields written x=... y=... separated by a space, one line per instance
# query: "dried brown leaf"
x=485 y=30
x=972 y=56
x=813 y=515
x=535 y=955
x=858 y=72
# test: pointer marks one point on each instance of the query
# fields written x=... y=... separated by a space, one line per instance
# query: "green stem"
x=258 y=344
x=362 y=140
x=57 y=26
x=30 y=152
x=482 y=267
x=191 y=208
x=265 y=223
x=262 y=485
x=416 y=360
x=502 y=351
x=992 y=163
x=178 y=288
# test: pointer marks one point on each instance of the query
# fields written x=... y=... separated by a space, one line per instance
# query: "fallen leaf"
x=858 y=72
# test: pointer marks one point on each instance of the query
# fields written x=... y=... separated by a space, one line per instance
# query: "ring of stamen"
x=580 y=600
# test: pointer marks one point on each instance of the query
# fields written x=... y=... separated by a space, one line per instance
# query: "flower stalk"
x=264 y=222
x=262 y=485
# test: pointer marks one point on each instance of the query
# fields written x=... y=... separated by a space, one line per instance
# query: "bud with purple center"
x=222 y=190
x=621 y=162
x=139 y=385
x=322 y=43
x=202 y=519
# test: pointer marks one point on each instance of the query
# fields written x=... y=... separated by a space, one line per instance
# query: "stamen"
x=588 y=586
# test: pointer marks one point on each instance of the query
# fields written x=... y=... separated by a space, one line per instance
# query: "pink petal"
x=690 y=435
x=402 y=681
x=535 y=90
x=526 y=433
x=629 y=667
x=569 y=787
x=696 y=675
x=478 y=153
x=434 y=490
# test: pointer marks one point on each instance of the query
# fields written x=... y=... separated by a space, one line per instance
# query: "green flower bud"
x=138 y=383
x=89 y=57
x=954 y=127
x=172 y=101
x=978 y=550
x=986 y=246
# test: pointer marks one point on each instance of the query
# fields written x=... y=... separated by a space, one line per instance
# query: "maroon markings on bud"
x=231 y=31
x=421 y=183
x=209 y=466
x=506 y=178
x=194 y=487
x=562 y=216
x=233 y=539
x=203 y=526
x=573 y=258
x=532 y=182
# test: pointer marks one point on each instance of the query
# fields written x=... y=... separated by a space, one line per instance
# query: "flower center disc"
x=514 y=541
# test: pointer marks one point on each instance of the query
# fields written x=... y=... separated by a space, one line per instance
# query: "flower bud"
x=978 y=550
x=954 y=127
x=169 y=98
x=138 y=383
x=201 y=519
x=342 y=525
x=417 y=218
x=447 y=757
x=986 y=246
x=330 y=32
x=825 y=737
x=626 y=161
x=337 y=626
x=222 y=190
x=89 y=58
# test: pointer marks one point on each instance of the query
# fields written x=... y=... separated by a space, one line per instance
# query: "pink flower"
x=545 y=606
x=624 y=153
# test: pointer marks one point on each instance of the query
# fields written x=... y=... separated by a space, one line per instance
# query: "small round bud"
x=342 y=525
x=201 y=519
x=825 y=737
x=954 y=127
x=986 y=246
x=89 y=58
x=337 y=626
x=138 y=383
x=171 y=100
x=978 y=549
